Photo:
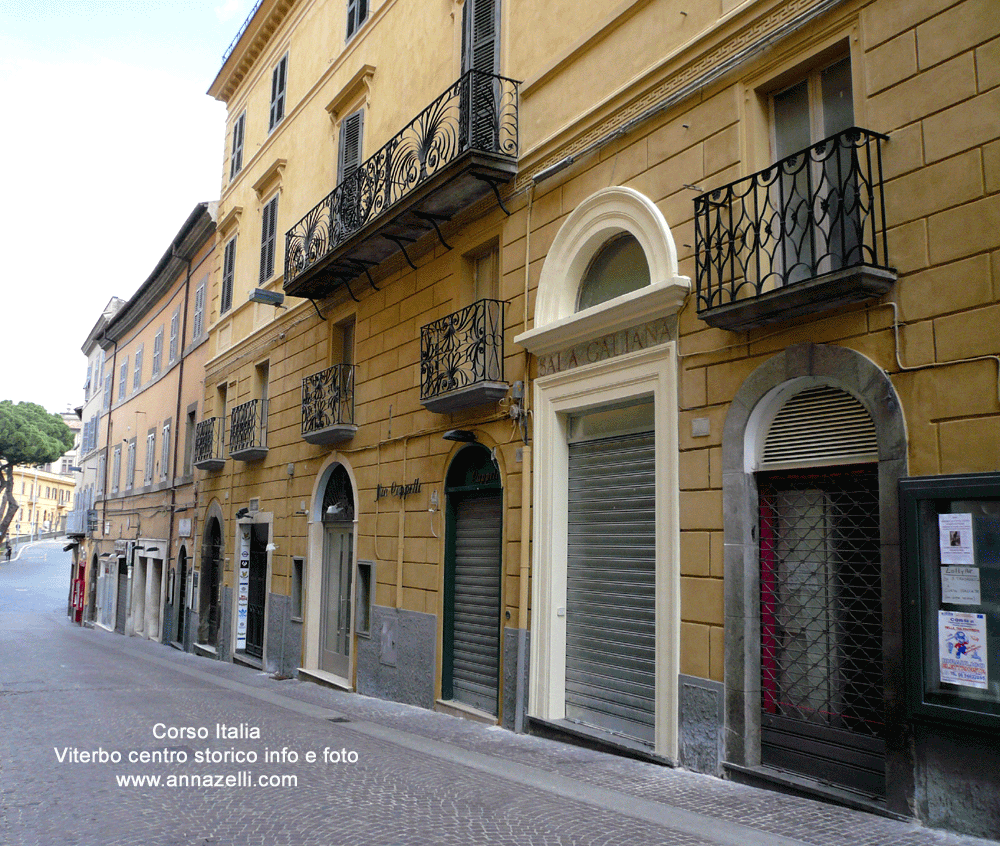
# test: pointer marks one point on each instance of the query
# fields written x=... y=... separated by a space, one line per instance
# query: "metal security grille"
x=476 y=638
x=821 y=626
x=611 y=584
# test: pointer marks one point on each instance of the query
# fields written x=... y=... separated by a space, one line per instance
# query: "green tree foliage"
x=29 y=436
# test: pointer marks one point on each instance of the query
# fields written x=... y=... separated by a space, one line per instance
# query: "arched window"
x=619 y=267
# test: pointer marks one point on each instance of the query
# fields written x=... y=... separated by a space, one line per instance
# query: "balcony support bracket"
x=318 y=312
x=398 y=241
x=433 y=220
x=495 y=185
x=363 y=267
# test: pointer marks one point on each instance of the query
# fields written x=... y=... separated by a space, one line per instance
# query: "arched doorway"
x=338 y=566
x=211 y=581
x=473 y=580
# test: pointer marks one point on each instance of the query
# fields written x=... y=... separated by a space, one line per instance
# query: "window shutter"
x=157 y=351
x=268 y=232
x=819 y=426
x=278 y=92
x=228 y=274
x=165 y=455
x=199 y=311
x=480 y=35
x=175 y=322
x=137 y=373
x=351 y=129
x=123 y=380
x=236 y=159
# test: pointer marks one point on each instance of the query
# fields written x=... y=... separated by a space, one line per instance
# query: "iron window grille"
x=209 y=440
x=248 y=426
x=478 y=113
x=814 y=212
x=462 y=349
x=328 y=398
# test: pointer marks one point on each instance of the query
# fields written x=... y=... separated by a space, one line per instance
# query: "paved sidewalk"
x=660 y=804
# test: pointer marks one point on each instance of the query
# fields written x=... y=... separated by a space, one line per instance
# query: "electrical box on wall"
x=951 y=609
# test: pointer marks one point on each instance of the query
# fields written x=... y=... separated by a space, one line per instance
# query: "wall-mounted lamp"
x=462 y=436
x=243 y=512
x=262 y=295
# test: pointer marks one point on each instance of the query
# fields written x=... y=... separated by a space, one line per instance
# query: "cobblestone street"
x=92 y=720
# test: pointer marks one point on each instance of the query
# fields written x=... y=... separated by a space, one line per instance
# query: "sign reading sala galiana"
x=636 y=338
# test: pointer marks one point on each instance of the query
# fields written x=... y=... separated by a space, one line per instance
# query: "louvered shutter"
x=158 y=351
x=198 y=324
x=611 y=585
x=351 y=129
x=819 y=426
x=268 y=235
x=228 y=275
x=278 y=92
x=476 y=640
x=175 y=321
x=480 y=36
x=236 y=159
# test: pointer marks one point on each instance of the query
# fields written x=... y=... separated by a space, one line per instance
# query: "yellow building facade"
x=44 y=499
x=542 y=336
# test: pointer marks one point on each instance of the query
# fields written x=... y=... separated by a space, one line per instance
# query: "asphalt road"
x=120 y=742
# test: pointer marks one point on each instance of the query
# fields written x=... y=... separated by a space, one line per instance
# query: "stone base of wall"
x=700 y=724
x=284 y=637
x=510 y=676
x=225 y=652
x=398 y=661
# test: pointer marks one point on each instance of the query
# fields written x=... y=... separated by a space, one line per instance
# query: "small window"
x=357 y=14
x=363 y=603
x=157 y=352
x=278 y=79
x=198 y=325
x=351 y=132
x=130 y=465
x=165 y=455
x=175 y=323
x=190 y=427
x=236 y=155
x=102 y=466
x=268 y=238
x=116 y=469
x=619 y=268
x=137 y=373
x=228 y=274
x=485 y=275
x=123 y=379
x=147 y=477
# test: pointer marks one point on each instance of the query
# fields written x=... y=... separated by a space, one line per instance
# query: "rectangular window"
x=157 y=352
x=357 y=14
x=130 y=465
x=147 y=477
x=198 y=325
x=190 y=427
x=268 y=238
x=116 y=469
x=278 y=92
x=236 y=156
x=137 y=373
x=298 y=567
x=351 y=132
x=165 y=454
x=228 y=275
x=123 y=379
x=106 y=403
x=175 y=323
x=102 y=466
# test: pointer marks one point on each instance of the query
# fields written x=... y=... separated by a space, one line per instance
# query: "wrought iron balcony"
x=804 y=235
x=328 y=405
x=461 y=147
x=248 y=431
x=209 y=436
x=461 y=358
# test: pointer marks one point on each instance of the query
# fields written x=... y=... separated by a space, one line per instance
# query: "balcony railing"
x=461 y=358
x=328 y=405
x=474 y=120
x=208 y=443
x=248 y=431
x=803 y=235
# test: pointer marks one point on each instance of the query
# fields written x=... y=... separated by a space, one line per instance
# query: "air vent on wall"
x=817 y=427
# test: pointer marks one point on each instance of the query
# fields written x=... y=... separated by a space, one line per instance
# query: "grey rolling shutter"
x=819 y=426
x=611 y=585
x=476 y=642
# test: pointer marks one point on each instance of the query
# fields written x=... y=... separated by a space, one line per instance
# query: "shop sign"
x=641 y=337
x=397 y=489
x=243 y=589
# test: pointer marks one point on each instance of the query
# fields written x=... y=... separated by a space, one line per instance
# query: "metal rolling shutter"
x=611 y=586
x=476 y=655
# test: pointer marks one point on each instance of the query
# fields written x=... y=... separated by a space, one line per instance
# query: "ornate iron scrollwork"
x=462 y=349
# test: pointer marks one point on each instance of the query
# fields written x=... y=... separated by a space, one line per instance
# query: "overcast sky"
x=108 y=140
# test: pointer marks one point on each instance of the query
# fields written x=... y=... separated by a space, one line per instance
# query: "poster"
x=962 y=648
x=243 y=589
x=955 y=538
x=960 y=586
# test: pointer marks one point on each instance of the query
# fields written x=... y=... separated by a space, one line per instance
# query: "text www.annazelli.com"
x=244 y=778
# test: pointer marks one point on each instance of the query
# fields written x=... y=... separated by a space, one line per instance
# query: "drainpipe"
x=526 y=470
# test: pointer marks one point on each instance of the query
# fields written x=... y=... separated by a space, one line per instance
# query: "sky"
x=107 y=142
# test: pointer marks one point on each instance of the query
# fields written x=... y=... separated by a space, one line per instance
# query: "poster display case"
x=951 y=608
